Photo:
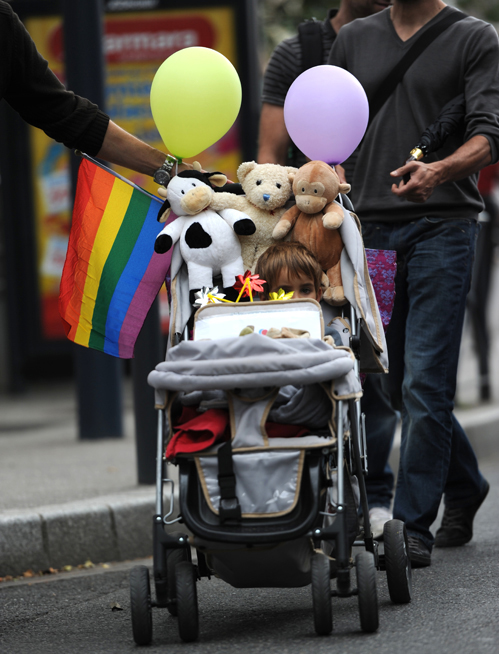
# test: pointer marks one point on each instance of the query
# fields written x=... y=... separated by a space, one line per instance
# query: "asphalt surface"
x=454 y=609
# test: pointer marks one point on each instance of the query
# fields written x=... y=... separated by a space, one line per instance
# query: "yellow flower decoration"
x=281 y=295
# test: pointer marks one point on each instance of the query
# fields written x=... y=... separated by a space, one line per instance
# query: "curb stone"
x=112 y=528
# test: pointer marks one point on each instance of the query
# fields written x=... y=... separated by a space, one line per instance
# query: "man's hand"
x=185 y=165
x=471 y=157
x=421 y=183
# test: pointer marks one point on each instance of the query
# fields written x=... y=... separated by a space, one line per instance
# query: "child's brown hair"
x=291 y=256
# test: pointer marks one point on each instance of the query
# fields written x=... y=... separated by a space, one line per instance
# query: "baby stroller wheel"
x=397 y=562
x=187 y=601
x=140 y=605
x=321 y=594
x=173 y=558
x=367 y=592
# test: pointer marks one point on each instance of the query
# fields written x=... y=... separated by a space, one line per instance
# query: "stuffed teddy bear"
x=315 y=219
x=208 y=241
x=267 y=188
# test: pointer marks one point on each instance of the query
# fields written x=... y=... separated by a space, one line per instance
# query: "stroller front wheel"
x=140 y=605
x=321 y=594
x=367 y=591
x=187 y=602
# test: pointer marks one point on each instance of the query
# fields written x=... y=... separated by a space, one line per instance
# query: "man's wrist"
x=440 y=172
x=163 y=174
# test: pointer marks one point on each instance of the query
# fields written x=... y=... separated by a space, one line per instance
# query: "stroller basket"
x=201 y=520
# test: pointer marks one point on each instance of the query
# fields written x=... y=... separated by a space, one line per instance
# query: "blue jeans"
x=381 y=422
x=434 y=262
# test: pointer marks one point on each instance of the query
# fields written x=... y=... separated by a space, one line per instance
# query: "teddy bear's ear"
x=244 y=169
x=163 y=192
x=345 y=188
x=291 y=176
x=196 y=166
x=218 y=179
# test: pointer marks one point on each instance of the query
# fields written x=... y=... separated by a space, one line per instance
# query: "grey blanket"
x=254 y=361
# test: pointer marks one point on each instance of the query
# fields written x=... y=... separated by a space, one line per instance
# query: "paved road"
x=454 y=611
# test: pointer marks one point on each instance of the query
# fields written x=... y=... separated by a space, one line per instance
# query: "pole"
x=148 y=353
x=98 y=375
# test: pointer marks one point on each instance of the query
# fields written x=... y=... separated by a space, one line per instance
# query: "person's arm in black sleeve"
x=34 y=91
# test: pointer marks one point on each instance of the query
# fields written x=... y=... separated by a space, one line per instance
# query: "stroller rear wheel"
x=140 y=605
x=367 y=592
x=321 y=594
x=173 y=558
x=397 y=562
x=187 y=601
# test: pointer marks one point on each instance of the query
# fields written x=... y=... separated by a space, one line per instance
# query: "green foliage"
x=485 y=9
x=280 y=18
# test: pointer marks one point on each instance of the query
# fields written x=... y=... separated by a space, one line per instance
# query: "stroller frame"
x=175 y=574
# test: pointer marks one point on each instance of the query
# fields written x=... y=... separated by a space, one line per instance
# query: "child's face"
x=302 y=286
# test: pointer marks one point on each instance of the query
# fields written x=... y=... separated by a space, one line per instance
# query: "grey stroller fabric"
x=304 y=405
x=254 y=361
x=268 y=483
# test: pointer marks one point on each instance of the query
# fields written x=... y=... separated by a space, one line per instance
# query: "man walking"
x=289 y=59
x=431 y=220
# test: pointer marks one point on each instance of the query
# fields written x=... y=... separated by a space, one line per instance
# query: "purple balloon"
x=326 y=113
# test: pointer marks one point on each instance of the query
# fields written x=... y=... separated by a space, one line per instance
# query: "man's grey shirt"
x=464 y=58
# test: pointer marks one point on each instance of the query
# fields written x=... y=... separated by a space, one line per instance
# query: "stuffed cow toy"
x=208 y=242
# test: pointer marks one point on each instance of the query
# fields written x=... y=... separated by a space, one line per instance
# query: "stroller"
x=272 y=474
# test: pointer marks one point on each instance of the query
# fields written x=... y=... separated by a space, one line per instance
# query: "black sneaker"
x=419 y=554
x=457 y=524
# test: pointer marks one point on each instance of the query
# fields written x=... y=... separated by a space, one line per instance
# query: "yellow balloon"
x=195 y=99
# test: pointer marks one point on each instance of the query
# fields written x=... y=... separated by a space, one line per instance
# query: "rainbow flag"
x=111 y=275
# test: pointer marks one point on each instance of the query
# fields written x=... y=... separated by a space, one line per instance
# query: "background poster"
x=135 y=45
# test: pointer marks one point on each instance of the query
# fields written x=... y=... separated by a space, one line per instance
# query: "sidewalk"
x=65 y=501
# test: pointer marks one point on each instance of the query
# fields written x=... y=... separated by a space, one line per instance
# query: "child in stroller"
x=291 y=267
x=258 y=506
